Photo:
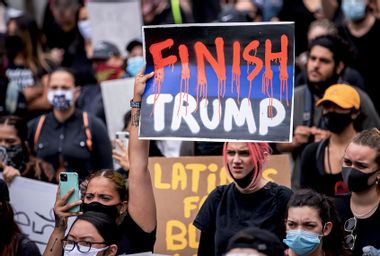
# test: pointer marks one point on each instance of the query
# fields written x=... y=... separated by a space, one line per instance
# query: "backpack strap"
x=308 y=109
x=176 y=11
x=38 y=130
x=319 y=156
x=87 y=130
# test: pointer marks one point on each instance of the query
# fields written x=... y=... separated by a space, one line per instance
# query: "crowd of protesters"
x=52 y=119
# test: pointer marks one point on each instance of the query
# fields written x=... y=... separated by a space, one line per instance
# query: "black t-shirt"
x=133 y=239
x=367 y=54
x=226 y=211
x=314 y=175
x=66 y=142
x=367 y=230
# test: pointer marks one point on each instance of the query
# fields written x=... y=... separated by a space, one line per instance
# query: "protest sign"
x=116 y=96
x=182 y=184
x=32 y=203
x=116 y=21
x=219 y=82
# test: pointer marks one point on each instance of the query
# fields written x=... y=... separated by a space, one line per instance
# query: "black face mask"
x=14 y=156
x=356 y=180
x=245 y=181
x=110 y=210
x=336 y=122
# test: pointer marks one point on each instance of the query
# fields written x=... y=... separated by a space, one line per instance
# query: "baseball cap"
x=4 y=192
x=259 y=239
x=345 y=96
x=104 y=50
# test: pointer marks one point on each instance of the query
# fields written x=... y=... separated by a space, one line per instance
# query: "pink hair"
x=257 y=151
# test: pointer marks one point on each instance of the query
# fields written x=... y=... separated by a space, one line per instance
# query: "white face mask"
x=92 y=252
x=84 y=27
x=60 y=99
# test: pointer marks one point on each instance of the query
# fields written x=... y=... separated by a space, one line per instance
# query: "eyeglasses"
x=350 y=226
x=83 y=246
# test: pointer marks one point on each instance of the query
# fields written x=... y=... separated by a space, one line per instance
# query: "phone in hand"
x=68 y=181
x=123 y=137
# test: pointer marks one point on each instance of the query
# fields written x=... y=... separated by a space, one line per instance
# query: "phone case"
x=124 y=137
x=65 y=184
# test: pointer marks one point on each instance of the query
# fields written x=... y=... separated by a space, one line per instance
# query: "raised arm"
x=141 y=205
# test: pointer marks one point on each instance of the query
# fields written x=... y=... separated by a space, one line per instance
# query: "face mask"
x=336 y=122
x=302 y=242
x=60 y=99
x=356 y=180
x=84 y=27
x=104 y=72
x=245 y=181
x=76 y=252
x=14 y=156
x=354 y=9
x=134 y=65
x=110 y=210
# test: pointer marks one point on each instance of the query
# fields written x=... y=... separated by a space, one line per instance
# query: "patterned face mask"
x=60 y=99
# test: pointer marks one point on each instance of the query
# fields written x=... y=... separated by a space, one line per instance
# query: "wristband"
x=135 y=104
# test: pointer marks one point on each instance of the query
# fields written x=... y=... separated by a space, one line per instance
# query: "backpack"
x=87 y=130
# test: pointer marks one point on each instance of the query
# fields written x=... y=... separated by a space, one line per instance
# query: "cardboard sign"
x=116 y=21
x=181 y=185
x=219 y=82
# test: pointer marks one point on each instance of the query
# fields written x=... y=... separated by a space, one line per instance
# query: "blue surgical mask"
x=302 y=242
x=134 y=65
x=60 y=99
x=84 y=27
x=354 y=9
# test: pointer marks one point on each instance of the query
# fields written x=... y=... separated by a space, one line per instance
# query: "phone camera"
x=63 y=177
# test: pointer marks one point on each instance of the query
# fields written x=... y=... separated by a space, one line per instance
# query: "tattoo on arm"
x=136 y=118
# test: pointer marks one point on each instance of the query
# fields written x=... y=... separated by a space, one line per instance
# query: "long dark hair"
x=103 y=223
x=333 y=243
x=10 y=234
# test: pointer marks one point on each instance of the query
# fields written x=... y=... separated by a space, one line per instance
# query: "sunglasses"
x=350 y=226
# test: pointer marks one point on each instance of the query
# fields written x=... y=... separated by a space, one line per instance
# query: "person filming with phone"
x=133 y=209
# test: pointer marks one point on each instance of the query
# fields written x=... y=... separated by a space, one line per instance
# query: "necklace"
x=363 y=215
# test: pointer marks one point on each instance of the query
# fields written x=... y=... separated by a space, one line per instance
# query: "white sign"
x=116 y=97
x=115 y=21
x=33 y=203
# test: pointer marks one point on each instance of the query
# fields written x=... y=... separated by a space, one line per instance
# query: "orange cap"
x=343 y=95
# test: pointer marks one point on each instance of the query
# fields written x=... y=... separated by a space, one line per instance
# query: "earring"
x=377 y=181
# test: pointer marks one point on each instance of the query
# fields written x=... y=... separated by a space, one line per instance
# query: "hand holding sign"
x=140 y=83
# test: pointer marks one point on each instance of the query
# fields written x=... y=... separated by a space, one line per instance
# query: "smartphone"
x=67 y=181
x=124 y=137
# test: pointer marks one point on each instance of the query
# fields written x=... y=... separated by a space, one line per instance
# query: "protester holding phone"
x=15 y=159
x=133 y=209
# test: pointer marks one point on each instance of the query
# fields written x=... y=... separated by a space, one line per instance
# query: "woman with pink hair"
x=248 y=201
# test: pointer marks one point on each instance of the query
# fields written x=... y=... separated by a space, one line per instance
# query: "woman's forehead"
x=237 y=145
